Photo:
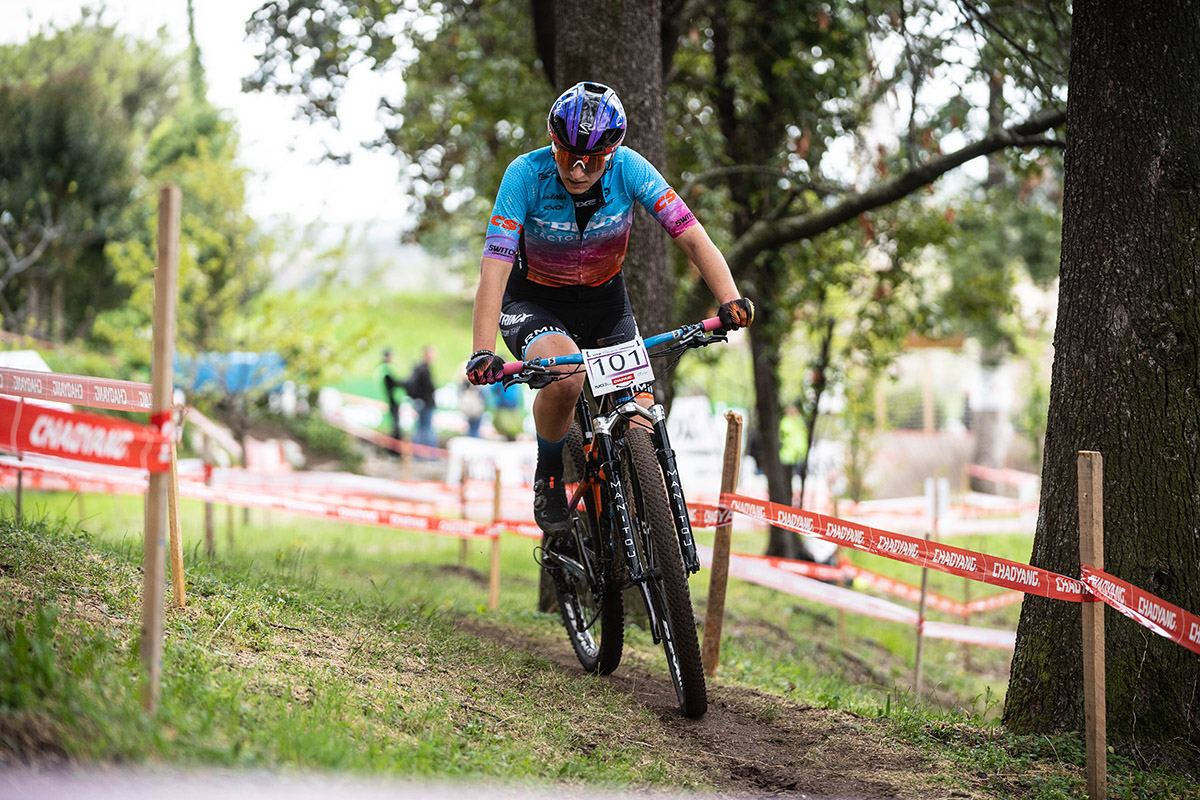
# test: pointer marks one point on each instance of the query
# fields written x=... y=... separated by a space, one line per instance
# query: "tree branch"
x=18 y=264
x=764 y=235
x=701 y=178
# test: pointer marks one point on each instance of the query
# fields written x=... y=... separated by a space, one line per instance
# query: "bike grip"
x=513 y=367
x=712 y=324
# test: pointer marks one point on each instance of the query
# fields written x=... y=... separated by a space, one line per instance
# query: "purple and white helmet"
x=587 y=119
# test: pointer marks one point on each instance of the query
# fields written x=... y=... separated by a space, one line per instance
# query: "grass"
x=269 y=666
x=314 y=645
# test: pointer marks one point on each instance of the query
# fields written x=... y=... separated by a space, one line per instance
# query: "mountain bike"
x=630 y=525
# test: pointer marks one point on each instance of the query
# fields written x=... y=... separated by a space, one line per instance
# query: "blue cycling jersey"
x=533 y=224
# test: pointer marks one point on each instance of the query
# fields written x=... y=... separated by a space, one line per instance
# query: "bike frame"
x=602 y=433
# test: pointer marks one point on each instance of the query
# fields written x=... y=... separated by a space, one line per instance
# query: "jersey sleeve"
x=650 y=188
x=508 y=214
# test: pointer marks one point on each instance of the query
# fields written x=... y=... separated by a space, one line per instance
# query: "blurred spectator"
x=472 y=406
x=387 y=377
x=793 y=442
x=420 y=388
x=508 y=410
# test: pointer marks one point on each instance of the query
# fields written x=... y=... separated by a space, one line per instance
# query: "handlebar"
x=576 y=359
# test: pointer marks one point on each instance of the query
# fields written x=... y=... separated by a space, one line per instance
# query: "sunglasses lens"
x=567 y=160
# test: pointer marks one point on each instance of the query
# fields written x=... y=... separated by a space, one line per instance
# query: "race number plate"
x=610 y=369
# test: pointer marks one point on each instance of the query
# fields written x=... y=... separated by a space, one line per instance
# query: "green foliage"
x=222 y=261
x=136 y=78
x=995 y=242
x=78 y=103
x=64 y=176
x=474 y=93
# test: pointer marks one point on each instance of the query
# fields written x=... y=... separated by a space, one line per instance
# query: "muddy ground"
x=752 y=744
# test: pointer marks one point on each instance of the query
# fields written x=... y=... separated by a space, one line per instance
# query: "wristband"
x=479 y=353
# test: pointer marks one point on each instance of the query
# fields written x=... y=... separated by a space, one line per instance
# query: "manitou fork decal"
x=670 y=469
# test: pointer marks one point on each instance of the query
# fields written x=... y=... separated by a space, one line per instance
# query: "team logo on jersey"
x=665 y=200
x=507 y=224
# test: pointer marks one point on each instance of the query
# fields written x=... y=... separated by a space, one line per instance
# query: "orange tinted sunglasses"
x=567 y=160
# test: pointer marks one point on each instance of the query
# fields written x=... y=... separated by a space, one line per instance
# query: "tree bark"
x=617 y=42
x=1126 y=378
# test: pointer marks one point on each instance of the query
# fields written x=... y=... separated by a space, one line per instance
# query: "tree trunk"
x=1126 y=379
x=617 y=42
x=765 y=335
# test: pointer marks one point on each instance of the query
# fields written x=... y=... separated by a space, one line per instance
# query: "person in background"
x=386 y=375
x=472 y=405
x=508 y=410
x=420 y=388
x=793 y=443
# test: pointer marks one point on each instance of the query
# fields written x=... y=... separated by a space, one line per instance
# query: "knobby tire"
x=647 y=497
x=595 y=626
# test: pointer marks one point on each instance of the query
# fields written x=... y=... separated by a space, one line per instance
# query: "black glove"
x=485 y=367
x=736 y=314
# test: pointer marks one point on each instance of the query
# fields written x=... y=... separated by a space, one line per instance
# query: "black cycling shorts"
x=591 y=318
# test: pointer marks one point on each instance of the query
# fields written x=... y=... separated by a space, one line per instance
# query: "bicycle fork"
x=621 y=520
x=657 y=416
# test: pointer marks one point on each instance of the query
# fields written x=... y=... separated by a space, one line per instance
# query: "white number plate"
x=610 y=369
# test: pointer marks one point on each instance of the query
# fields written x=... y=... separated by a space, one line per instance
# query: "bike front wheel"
x=668 y=592
x=589 y=598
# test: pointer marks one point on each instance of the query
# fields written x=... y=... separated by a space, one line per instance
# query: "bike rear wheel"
x=647 y=498
x=593 y=615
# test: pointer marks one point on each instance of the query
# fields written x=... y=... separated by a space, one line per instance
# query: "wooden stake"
x=229 y=525
x=966 y=648
x=210 y=543
x=166 y=275
x=718 y=578
x=921 y=627
x=494 y=571
x=177 y=579
x=1091 y=553
x=20 y=487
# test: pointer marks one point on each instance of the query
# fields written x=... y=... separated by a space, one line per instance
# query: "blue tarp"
x=229 y=373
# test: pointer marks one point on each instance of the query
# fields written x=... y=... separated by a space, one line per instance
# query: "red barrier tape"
x=79 y=390
x=1167 y=620
x=755 y=569
x=462 y=528
x=81 y=437
x=707 y=516
x=934 y=555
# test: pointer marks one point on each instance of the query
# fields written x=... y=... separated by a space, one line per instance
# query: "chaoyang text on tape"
x=910 y=549
x=78 y=390
x=1167 y=620
x=26 y=428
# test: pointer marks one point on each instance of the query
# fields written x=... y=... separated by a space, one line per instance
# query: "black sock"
x=550 y=460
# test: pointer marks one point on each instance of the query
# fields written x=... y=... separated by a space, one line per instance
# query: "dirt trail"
x=755 y=745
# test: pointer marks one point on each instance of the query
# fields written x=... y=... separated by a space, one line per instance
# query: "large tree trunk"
x=619 y=44
x=1126 y=377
